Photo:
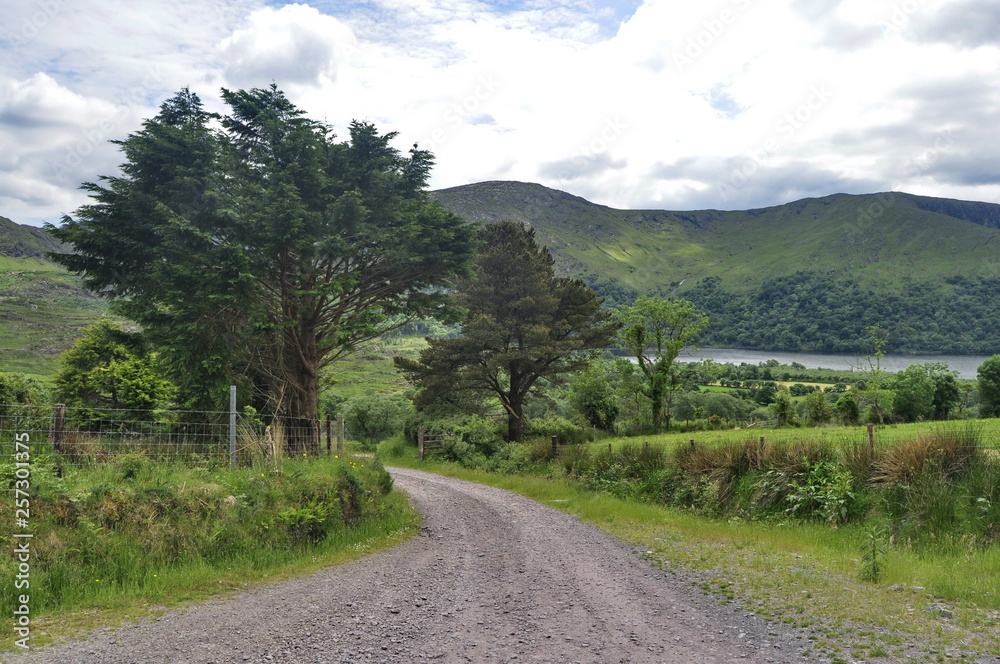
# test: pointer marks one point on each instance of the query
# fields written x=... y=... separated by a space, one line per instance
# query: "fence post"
x=232 y=425
x=871 y=438
x=762 y=445
x=59 y=426
x=329 y=434
x=645 y=446
x=555 y=446
x=692 y=443
x=340 y=435
x=420 y=444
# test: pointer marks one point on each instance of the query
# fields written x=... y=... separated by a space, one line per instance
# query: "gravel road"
x=493 y=577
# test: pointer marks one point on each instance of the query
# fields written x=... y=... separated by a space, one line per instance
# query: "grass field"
x=884 y=435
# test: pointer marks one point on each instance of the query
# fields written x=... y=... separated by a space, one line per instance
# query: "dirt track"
x=493 y=577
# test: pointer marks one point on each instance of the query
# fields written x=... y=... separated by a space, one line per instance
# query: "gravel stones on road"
x=492 y=577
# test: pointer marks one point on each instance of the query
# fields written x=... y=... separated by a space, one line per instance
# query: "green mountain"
x=42 y=306
x=808 y=275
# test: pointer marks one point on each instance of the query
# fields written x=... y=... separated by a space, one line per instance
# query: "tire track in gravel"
x=492 y=577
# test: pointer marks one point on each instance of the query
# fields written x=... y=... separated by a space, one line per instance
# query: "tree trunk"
x=299 y=409
x=515 y=421
x=656 y=399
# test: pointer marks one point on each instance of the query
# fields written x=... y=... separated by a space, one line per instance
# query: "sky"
x=665 y=104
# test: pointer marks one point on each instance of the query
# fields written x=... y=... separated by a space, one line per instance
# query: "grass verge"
x=132 y=538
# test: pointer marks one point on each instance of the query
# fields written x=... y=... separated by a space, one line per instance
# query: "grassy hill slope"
x=42 y=306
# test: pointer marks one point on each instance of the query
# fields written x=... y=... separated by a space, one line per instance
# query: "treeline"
x=813 y=311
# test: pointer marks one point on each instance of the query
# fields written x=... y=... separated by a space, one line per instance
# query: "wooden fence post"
x=340 y=435
x=692 y=443
x=329 y=434
x=762 y=445
x=555 y=446
x=59 y=427
x=420 y=444
x=645 y=446
x=871 y=438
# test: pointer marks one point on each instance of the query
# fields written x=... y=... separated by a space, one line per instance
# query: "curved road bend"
x=493 y=577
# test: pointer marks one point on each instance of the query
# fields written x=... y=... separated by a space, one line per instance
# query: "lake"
x=965 y=365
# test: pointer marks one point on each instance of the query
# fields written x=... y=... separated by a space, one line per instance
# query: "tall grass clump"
x=940 y=489
x=137 y=527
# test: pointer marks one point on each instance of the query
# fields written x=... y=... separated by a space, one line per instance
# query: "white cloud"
x=663 y=109
x=295 y=44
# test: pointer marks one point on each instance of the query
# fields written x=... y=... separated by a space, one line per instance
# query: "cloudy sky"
x=674 y=104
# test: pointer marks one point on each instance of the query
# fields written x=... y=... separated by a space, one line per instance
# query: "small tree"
x=783 y=408
x=817 y=408
x=914 y=394
x=876 y=378
x=374 y=416
x=594 y=398
x=110 y=368
x=655 y=331
x=988 y=382
x=848 y=408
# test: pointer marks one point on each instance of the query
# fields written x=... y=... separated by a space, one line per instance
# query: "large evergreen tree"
x=262 y=250
x=524 y=325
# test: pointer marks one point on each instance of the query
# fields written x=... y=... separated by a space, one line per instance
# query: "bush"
x=566 y=432
x=703 y=405
x=593 y=397
x=374 y=416
x=485 y=435
x=824 y=489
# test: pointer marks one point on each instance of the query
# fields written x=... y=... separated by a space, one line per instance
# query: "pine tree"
x=524 y=325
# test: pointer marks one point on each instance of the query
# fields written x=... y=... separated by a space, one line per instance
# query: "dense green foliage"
x=592 y=395
x=989 y=387
x=19 y=389
x=525 y=326
x=264 y=249
x=931 y=490
x=372 y=417
x=110 y=368
x=813 y=311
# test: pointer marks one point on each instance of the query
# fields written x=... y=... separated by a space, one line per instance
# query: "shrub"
x=374 y=416
x=566 y=432
x=393 y=448
x=824 y=490
x=593 y=397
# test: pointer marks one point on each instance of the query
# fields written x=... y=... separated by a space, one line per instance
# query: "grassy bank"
x=945 y=597
x=121 y=538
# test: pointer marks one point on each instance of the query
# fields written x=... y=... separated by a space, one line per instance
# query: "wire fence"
x=86 y=436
